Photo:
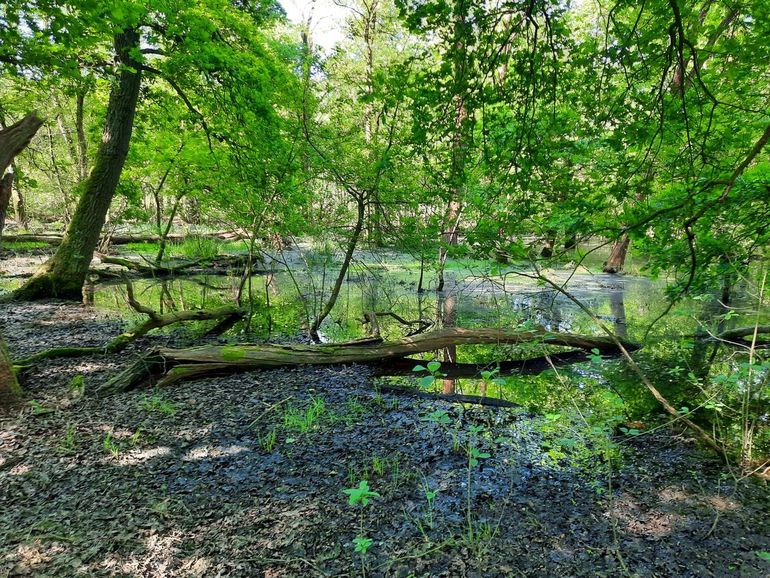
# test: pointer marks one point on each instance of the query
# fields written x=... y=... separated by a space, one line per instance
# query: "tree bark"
x=176 y=364
x=19 y=207
x=461 y=136
x=15 y=138
x=10 y=392
x=617 y=258
x=64 y=274
x=6 y=188
x=82 y=143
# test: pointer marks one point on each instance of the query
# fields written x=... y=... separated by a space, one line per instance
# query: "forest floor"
x=244 y=476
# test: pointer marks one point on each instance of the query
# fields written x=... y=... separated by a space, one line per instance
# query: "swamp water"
x=602 y=391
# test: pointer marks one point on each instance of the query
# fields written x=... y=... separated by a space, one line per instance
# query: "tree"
x=172 y=43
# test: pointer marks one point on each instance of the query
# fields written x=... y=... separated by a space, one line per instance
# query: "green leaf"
x=427 y=381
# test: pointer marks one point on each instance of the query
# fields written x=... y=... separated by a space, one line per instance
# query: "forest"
x=404 y=288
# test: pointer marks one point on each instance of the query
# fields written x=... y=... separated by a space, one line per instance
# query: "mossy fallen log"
x=222 y=263
x=166 y=366
x=123 y=239
x=744 y=335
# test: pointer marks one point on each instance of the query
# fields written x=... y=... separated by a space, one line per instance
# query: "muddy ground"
x=244 y=476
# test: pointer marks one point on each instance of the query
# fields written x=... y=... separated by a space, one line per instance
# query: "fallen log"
x=450 y=397
x=118 y=239
x=171 y=365
x=529 y=366
x=217 y=264
x=744 y=335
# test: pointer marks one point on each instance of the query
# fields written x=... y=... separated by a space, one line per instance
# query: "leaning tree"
x=13 y=140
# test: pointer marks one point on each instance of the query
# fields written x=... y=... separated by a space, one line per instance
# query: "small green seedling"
x=156 y=404
x=433 y=373
x=763 y=555
x=361 y=494
x=110 y=445
x=38 y=408
x=362 y=544
x=267 y=442
x=68 y=442
x=77 y=385
x=474 y=455
x=439 y=416
x=492 y=376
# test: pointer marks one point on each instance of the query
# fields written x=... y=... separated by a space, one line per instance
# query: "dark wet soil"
x=221 y=477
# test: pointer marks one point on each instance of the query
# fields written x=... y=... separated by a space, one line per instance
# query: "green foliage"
x=68 y=442
x=155 y=403
x=197 y=248
x=304 y=419
x=267 y=441
x=362 y=544
x=361 y=494
x=110 y=445
x=77 y=385
x=432 y=368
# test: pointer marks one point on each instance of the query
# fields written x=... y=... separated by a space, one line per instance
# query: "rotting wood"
x=219 y=264
x=171 y=365
x=125 y=239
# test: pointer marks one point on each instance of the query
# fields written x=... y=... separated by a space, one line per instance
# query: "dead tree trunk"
x=617 y=258
x=64 y=274
x=176 y=364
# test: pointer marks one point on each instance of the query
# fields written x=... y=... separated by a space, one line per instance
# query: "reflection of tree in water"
x=618 y=311
x=446 y=316
x=704 y=350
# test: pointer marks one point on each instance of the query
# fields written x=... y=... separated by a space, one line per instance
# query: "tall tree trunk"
x=19 y=208
x=448 y=316
x=63 y=275
x=617 y=258
x=460 y=138
x=82 y=143
x=369 y=16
